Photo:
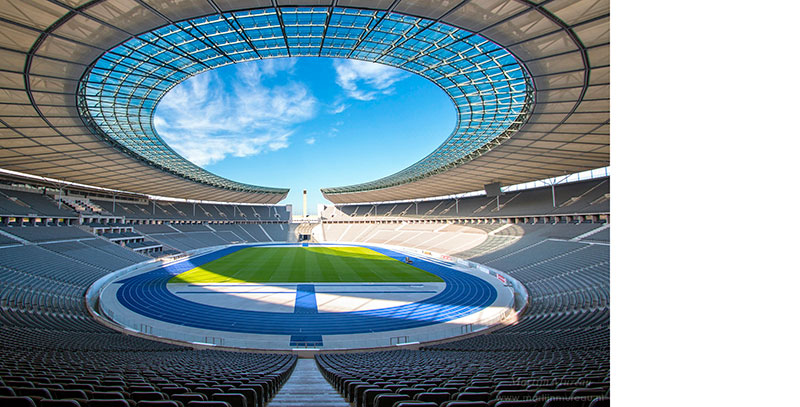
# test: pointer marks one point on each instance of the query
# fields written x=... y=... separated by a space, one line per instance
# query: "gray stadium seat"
x=16 y=401
x=59 y=403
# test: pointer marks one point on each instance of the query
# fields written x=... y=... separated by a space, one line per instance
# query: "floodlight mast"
x=305 y=203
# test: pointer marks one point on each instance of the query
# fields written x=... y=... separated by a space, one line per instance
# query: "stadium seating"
x=590 y=196
x=50 y=347
x=557 y=354
x=180 y=211
x=467 y=241
x=191 y=236
x=16 y=202
x=53 y=353
x=7 y=241
x=47 y=234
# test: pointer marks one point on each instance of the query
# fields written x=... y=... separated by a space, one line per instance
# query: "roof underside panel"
x=489 y=87
x=489 y=55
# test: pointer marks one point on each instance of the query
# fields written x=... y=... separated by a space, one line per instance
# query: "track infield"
x=319 y=264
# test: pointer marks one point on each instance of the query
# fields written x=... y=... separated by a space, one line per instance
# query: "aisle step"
x=307 y=387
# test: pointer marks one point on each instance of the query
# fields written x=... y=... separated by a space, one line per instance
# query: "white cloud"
x=206 y=122
x=203 y=149
x=365 y=80
x=311 y=140
x=338 y=108
x=252 y=72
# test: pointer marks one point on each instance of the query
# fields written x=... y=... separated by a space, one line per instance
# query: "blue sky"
x=305 y=123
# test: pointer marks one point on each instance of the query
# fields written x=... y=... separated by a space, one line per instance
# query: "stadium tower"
x=131 y=276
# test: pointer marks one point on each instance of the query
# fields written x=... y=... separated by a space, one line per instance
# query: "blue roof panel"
x=489 y=87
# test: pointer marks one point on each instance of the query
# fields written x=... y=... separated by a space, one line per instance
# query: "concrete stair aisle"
x=307 y=387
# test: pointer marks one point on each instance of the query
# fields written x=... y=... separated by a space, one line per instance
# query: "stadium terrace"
x=132 y=277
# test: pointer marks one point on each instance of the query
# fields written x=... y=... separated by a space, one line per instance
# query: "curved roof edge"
x=201 y=176
x=399 y=178
x=565 y=46
x=490 y=89
x=48 y=46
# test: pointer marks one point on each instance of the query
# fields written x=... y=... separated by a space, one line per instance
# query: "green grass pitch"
x=305 y=265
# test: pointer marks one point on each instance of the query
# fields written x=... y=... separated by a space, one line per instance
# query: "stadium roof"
x=79 y=82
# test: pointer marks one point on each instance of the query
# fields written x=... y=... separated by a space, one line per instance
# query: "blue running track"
x=147 y=295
